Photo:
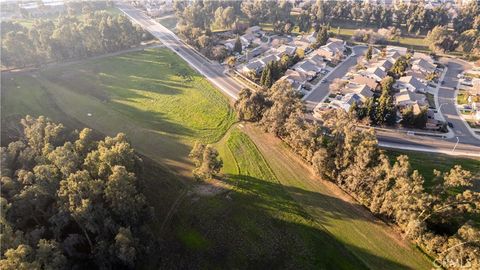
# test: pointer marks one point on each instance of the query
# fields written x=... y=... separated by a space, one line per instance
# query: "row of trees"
x=66 y=38
x=440 y=39
x=71 y=202
x=350 y=157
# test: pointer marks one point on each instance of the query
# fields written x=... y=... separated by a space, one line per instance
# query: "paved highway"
x=215 y=74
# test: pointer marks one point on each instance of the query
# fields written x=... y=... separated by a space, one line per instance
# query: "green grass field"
x=372 y=241
x=152 y=96
x=255 y=224
x=169 y=22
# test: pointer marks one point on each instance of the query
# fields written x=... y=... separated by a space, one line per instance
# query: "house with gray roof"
x=411 y=84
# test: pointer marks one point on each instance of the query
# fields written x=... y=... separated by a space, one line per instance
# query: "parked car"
x=450 y=125
x=324 y=81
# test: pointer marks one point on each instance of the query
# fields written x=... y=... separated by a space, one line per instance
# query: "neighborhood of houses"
x=260 y=49
x=416 y=87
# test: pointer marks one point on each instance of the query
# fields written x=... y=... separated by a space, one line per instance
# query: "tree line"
x=200 y=16
x=67 y=37
x=69 y=201
x=438 y=220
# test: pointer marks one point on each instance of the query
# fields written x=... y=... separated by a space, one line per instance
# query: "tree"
x=368 y=56
x=207 y=163
x=250 y=105
x=65 y=197
x=322 y=37
x=439 y=39
x=237 y=46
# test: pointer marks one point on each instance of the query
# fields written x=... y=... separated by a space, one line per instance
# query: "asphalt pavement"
x=467 y=145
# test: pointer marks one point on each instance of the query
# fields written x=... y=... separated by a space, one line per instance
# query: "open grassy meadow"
x=372 y=241
x=254 y=223
x=152 y=96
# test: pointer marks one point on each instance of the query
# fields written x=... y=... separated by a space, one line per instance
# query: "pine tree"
x=368 y=56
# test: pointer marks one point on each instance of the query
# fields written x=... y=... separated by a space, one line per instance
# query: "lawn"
x=169 y=22
x=347 y=31
x=462 y=97
x=154 y=97
x=372 y=241
x=439 y=162
x=255 y=224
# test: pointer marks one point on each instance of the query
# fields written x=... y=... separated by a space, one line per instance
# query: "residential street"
x=467 y=145
x=318 y=94
x=446 y=100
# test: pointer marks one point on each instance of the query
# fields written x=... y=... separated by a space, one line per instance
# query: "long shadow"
x=257 y=226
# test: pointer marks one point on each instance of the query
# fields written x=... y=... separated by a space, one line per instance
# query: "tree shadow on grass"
x=257 y=226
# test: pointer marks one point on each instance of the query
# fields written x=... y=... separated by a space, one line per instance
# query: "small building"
x=362 y=90
x=247 y=39
x=296 y=79
x=359 y=79
x=253 y=67
x=401 y=51
x=407 y=98
x=375 y=73
x=307 y=67
x=411 y=83
x=423 y=65
x=269 y=58
x=285 y=49
x=347 y=101
x=254 y=30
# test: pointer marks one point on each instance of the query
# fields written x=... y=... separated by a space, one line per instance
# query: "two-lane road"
x=215 y=74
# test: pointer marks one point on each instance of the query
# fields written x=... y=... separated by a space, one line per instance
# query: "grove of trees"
x=68 y=37
x=439 y=220
x=69 y=201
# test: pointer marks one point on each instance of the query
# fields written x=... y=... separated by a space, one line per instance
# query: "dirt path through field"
x=372 y=240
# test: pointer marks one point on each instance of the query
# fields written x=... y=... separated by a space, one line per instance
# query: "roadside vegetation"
x=438 y=220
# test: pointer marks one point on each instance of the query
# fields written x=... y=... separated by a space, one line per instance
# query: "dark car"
x=450 y=125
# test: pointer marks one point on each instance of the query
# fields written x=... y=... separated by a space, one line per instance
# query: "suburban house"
x=318 y=60
x=253 y=67
x=400 y=51
x=247 y=39
x=359 y=79
x=375 y=73
x=406 y=98
x=308 y=67
x=254 y=30
x=332 y=48
x=347 y=101
x=411 y=84
x=385 y=64
x=362 y=90
x=268 y=58
x=249 y=54
x=302 y=43
x=285 y=49
x=296 y=79
x=423 y=65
